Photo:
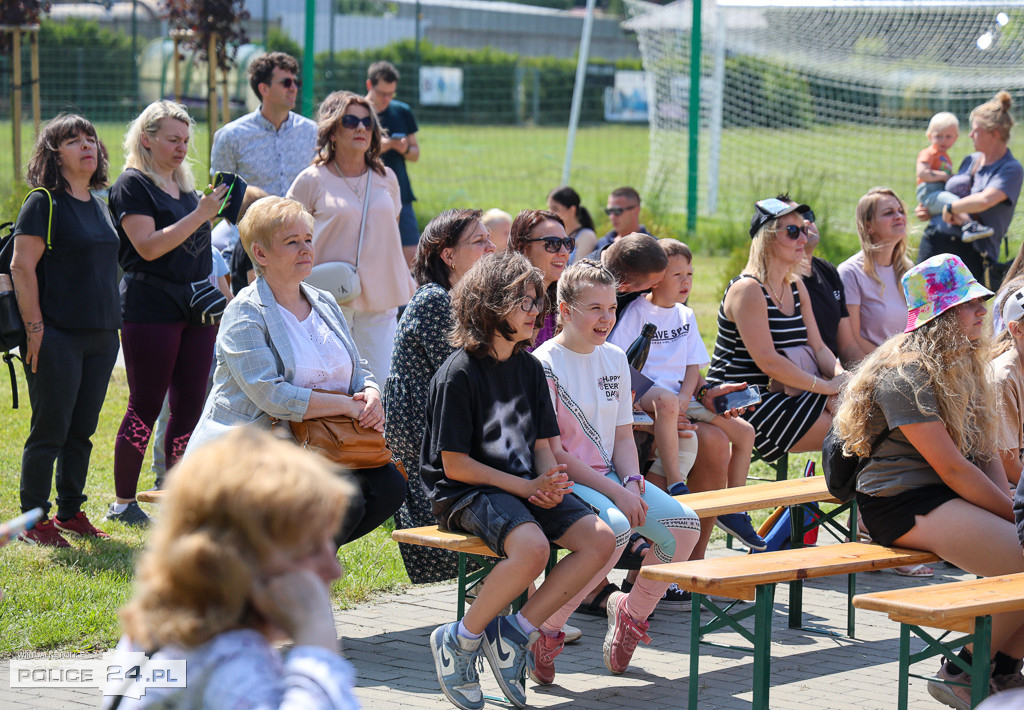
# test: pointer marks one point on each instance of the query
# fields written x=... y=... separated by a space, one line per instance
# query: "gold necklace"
x=778 y=298
x=354 y=188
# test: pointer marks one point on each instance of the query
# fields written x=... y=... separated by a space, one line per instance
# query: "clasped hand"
x=550 y=487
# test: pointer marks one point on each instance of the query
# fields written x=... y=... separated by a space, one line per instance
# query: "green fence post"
x=694 y=120
x=308 y=55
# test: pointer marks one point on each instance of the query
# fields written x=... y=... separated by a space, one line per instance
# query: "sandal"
x=596 y=606
x=633 y=554
x=916 y=571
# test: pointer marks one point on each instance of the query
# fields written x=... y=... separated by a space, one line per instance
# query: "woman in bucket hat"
x=934 y=481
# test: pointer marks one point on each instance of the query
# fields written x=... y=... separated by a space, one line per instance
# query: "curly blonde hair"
x=866 y=209
x=953 y=367
x=228 y=506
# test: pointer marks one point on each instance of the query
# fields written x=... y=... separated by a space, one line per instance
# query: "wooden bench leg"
x=979 y=670
x=694 y=649
x=904 y=688
x=982 y=659
x=763 y=602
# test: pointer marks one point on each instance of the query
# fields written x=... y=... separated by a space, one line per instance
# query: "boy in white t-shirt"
x=676 y=357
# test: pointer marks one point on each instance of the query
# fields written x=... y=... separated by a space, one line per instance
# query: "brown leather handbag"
x=341 y=439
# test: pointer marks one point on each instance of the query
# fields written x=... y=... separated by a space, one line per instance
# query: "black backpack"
x=841 y=470
x=12 y=329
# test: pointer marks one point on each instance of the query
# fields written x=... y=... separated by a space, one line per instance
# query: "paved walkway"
x=387 y=642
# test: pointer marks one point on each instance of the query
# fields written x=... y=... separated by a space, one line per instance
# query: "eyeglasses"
x=618 y=210
x=288 y=82
x=530 y=304
x=554 y=244
x=351 y=121
x=792 y=231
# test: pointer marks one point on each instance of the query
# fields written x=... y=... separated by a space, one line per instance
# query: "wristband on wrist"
x=814 y=383
x=702 y=392
x=635 y=477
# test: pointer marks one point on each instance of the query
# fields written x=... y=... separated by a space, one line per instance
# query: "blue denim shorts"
x=407 y=226
x=492 y=514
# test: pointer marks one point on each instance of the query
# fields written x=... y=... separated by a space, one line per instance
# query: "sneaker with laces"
x=572 y=633
x=455 y=661
x=739 y=526
x=973 y=231
x=955 y=696
x=622 y=636
x=45 y=534
x=80 y=526
x=678 y=489
x=507 y=649
x=1008 y=681
x=675 y=599
x=132 y=515
x=544 y=651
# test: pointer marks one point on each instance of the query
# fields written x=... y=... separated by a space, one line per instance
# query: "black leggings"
x=383 y=492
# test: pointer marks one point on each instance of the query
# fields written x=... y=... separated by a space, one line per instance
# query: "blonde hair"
x=228 y=507
x=994 y=115
x=866 y=208
x=943 y=119
x=581 y=275
x=952 y=366
x=495 y=216
x=760 y=257
x=674 y=247
x=262 y=220
x=138 y=156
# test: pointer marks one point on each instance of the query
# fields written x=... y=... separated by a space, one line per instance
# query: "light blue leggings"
x=664 y=515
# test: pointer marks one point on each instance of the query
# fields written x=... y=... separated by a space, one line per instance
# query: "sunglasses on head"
x=288 y=82
x=617 y=210
x=555 y=244
x=792 y=231
x=351 y=121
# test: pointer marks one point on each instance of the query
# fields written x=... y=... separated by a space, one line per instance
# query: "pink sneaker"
x=45 y=534
x=623 y=634
x=544 y=651
x=80 y=526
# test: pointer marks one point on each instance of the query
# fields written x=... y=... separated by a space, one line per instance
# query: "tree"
x=17 y=13
x=205 y=18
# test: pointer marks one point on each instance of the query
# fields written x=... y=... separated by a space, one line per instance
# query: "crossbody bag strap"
x=362 y=220
x=49 y=219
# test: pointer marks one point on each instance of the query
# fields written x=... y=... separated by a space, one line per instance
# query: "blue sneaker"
x=455 y=660
x=507 y=649
x=678 y=489
x=739 y=526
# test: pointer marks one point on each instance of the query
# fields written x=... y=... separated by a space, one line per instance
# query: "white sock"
x=466 y=633
x=118 y=507
x=525 y=625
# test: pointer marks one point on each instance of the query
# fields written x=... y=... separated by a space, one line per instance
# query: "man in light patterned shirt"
x=271 y=145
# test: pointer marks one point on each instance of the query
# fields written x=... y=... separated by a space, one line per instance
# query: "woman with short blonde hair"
x=240 y=559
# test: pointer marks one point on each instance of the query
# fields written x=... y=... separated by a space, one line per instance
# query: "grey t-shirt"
x=896 y=466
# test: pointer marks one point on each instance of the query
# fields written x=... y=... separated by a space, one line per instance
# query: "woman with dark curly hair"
x=451 y=243
x=64 y=270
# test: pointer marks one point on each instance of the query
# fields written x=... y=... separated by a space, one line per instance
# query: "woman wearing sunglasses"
x=765 y=309
x=346 y=181
x=872 y=276
x=540 y=236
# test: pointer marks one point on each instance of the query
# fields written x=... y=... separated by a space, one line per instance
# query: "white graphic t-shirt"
x=591 y=394
x=676 y=343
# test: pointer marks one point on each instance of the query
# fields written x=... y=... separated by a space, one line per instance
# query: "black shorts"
x=888 y=518
x=491 y=515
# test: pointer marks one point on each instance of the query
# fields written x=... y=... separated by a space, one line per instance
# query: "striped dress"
x=780 y=420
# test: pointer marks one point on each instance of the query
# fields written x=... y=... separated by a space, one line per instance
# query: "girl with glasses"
x=766 y=309
x=346 y=174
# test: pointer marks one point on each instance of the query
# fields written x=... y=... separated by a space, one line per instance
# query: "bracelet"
x=814 y=383
x=702 y=392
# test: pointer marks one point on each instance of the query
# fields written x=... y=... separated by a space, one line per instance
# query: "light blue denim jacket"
x=255 y=364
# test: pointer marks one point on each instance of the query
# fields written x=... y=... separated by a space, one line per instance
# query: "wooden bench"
x=795 y=492
x=150 y=496
x=753 y=577
x=965 y=607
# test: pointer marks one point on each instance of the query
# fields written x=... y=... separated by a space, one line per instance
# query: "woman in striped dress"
x=765 y=309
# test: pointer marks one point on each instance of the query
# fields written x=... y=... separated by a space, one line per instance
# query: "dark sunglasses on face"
x=350 y=121
x=793 y=232
x=288 y=82
x=808 y=216
x=617 y=210
x=555 y=244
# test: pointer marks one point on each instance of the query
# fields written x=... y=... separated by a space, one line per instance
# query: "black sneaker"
x=675 y=599
x=739 y=526
x=973 y=231
x=132 y=515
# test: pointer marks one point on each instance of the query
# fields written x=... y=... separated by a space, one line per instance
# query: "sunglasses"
x=809 y=216
x=555 y=244
x=792 y=231
x=288 y=82
x=351 y=121
x=530 y=304
x=618 y=210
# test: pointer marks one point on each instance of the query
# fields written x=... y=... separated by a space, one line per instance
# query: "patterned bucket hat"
x=936 y=285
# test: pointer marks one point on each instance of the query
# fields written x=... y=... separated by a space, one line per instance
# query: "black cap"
x=771 y=209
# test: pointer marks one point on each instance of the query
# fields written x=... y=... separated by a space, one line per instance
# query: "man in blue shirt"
x=271 y=145
x=398 y=144
x=623 y=211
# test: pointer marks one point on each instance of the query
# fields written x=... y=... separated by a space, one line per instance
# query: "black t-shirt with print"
x=493 y=411
x=190 y=261
x=828 y=300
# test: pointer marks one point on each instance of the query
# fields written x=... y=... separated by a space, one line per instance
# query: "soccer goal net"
x=824 y=99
